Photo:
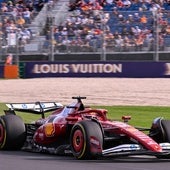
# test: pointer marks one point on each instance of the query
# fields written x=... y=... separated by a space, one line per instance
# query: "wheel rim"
x=1 y=134
x=78 y=140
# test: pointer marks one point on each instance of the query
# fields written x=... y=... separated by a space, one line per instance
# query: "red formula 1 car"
x=81 y=131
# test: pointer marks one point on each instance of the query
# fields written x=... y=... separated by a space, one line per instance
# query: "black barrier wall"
x=97 y=57
x=137 y=56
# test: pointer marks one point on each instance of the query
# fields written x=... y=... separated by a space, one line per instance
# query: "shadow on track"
x=43 y=156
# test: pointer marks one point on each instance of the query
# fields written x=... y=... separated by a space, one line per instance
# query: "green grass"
x=142 y=116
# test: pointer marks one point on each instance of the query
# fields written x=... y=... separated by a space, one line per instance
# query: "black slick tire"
x=86 y=140
x=12 y=132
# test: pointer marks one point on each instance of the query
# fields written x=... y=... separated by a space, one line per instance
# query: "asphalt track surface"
x=114 y=92
x=19 y=160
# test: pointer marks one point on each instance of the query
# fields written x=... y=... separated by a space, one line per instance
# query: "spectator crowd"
x=15 y=17
x=115 y=25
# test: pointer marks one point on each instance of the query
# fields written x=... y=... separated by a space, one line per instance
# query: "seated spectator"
x=24 y=35
x=137 y=30
x=27 y=15
x=161 y=42
x=20 y=21
x=59 y=40
x=130 y=18
x=127 y=4
x=162 y=21
x=119 y=4
x=79 y=42
x=128 y=43
x=14 y=12
x=74 y=5
x=96 y=6
x=64 y=31
x=10 y=6
x=38 y=5
x=11 y=26
x=144 y=6
x=121 y=19
x=168 y=29
x=110 y=2
x=149 y=40
x=115 y=11
x=119 y=43
x=109 y=39
x=139 y=40
x=30 y=5
x=154 y=7
x=143 y=19
x=65 y=41
x=125 y=31
x=136 y=17
x=4 y=7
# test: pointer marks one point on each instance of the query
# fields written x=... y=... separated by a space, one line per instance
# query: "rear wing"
x=35 y=108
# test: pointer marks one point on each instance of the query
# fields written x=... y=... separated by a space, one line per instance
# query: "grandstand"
x=86 y=27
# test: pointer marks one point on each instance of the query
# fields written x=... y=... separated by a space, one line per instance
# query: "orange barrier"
x=11 y=71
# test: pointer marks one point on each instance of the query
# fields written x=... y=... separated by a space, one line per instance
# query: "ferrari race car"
x=81 y=131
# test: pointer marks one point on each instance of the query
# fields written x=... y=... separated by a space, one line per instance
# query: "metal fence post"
x=156 y=35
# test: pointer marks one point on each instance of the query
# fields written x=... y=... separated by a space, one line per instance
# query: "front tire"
x=86 y=140
x=162 y=134
x=12 y=132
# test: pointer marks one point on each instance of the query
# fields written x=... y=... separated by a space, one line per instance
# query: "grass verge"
x=142 y=116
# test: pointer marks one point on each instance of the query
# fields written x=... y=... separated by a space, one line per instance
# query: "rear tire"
x=86 y=140
x=12 y=132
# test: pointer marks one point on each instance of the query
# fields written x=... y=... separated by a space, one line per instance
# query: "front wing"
x=121 y=150
x=135 y=149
